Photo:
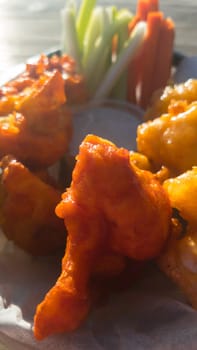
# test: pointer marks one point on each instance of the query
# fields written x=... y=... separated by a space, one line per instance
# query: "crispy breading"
x=171 y=139
x=179 y=259
x=182 y=192
x=162 y=99
x=140 y=160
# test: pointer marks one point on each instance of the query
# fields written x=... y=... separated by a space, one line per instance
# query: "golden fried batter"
x=171 y=140
x=140 y=160
x=182 y=191
x=179 y=262
x=179 y=259
x=27 y=210
x=161 y=100
x=102 y=210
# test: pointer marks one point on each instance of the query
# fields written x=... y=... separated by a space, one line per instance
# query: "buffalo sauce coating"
x=111 y=206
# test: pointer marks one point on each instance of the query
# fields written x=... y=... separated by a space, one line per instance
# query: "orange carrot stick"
x=133 y=69
x=143 y=7
x=146 y=6
x=133 y=23
x=154 y=21
x=164 y=54
x=153 y=5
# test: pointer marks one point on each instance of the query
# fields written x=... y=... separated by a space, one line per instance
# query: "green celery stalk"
x=84 y=15
x=70 y=45
x=98 y=60
x=94 y=81
x=96 y=56
x=93 y=32
x=107 y=21
x=123 y=17
x=120 y=89
x=128 y=52
x=111 y=12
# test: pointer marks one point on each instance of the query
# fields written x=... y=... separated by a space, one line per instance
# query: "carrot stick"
x=133 y=23
x=146 y=6
x=143 y=7
x=133 y=69
x=164 y=54
x=154 y=21
x=141 y=13
x=154 y=5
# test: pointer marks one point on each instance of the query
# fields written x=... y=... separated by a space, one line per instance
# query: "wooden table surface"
x=29 y=27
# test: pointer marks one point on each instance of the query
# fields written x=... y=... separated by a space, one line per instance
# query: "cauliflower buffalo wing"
x=74 y=83
x=162 y=99
x=39 y=130
x=179 y=259
x=27 y=210
x=111 y=208
x=171 y=139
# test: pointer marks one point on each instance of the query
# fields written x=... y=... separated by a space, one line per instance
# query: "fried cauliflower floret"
x=34 y=149
x=44 y=96
x=74 y=83
x=182 y=192
x=179 y=259
x=170 y=140
x=64 y=66
x=27 y=210
x=161 y=100
x=140 y=160
x=179 y=262
x=39 y=129
x=102 y=210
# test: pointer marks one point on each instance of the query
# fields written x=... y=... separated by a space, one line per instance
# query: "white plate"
x=24 y=280
x=152 y=315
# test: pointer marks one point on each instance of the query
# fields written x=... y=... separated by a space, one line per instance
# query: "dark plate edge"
x=15 y=71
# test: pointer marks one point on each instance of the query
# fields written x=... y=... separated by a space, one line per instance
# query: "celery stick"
x=83 y=18
x=105 y=41
x=96 y=57
x=94 y=82
x=70 y=44
x=72 y=4
x=111 y=11
x=129 y=51
x=120 y=89
x=94 y=30
x=123 y=26
x=118 y=22
x=108 y=17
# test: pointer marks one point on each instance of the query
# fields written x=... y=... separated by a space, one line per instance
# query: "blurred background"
x=31 y=27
